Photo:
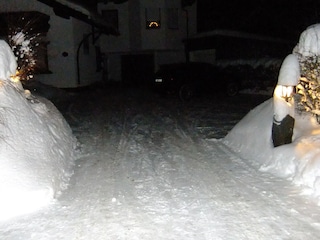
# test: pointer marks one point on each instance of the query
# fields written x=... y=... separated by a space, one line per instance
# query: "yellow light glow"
x=315 y=132
x=285 y=92
x=154 y=24
x=16 y=77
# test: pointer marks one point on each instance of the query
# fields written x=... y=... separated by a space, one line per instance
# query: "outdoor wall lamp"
x=283 y=102
x=285 y=92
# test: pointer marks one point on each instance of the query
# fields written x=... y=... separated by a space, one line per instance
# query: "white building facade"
x=70 y=62
x=151 y=33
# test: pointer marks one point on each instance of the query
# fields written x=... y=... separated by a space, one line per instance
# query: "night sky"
x=277 y=18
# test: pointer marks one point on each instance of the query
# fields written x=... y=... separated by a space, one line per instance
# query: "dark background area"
x=276 y=18
x=285 y=19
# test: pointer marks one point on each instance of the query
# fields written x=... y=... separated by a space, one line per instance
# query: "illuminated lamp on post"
x=283 y=101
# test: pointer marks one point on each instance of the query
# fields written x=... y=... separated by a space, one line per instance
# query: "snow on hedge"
x=298 y=161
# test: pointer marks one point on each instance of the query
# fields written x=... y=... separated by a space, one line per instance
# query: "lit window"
x=153 y=18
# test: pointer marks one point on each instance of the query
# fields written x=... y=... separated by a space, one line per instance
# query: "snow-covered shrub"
x=258 y=74
x=309 y=86
x=24 y=48
x=308 y=53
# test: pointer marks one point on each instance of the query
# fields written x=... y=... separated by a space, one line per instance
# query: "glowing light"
x=285 y=92
x=19 y=202
x=23 y=45
x=153 y=24
x=16 y=77
x=315 y=132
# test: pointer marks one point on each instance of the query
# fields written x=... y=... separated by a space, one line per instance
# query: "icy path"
x=150 y=169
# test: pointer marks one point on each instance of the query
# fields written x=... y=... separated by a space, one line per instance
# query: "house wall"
x=164 y=43
x=134 y=20
x=87 y=70
x=63 y=68
x=63 y=37
x=117 y=43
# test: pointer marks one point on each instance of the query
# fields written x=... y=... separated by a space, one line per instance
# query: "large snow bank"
x=7 y=61
x=36 y=146
x=298 y=161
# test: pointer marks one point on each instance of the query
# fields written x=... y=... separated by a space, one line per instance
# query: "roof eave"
x=81 y=13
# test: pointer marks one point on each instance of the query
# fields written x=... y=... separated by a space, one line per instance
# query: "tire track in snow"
x=149 y=174
x=166 y=181
x=169 y=182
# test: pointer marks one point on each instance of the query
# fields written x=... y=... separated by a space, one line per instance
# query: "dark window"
x=173 y=18
x=111 y=17
x=153 y=18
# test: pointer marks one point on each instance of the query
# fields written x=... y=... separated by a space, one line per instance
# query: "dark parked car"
x=193 y=78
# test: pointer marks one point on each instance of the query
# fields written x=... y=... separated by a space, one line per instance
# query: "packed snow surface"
x=153 y=167
x=299 y=161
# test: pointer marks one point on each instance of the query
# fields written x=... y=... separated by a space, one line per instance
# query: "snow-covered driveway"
x=154 y=168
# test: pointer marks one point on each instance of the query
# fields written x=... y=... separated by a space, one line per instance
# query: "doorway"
x=137 y=69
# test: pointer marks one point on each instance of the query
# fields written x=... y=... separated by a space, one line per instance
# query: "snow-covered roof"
x=309 y=44
x=254 y=62
x=237 y=34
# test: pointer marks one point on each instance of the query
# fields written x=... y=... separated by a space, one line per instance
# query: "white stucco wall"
x=153 y=38
x=87 y=61
x=63 y=68
x=165 y=43
x=114 y=67
x=63 y=36
x=120 y=43
x=132 y=26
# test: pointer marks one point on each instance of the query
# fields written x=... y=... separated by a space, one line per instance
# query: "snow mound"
x=252 y=133
x=251 y=137
x=36 y=146
x=298 y=161
x=36 y=152
x=7 y=61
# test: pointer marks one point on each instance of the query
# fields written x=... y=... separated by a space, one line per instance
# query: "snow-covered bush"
x=308 y=89
x=298 y=161
x=309 y=86
x=24 y=46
